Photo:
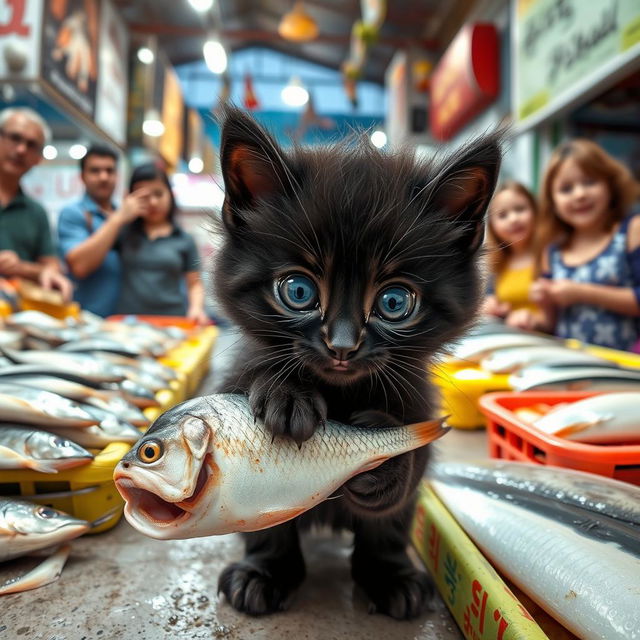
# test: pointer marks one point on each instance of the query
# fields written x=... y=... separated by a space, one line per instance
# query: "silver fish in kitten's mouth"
x=207 y=467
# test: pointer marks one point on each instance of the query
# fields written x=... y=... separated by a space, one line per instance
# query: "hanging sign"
x=465 y=81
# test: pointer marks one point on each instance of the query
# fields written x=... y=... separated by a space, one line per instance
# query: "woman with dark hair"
x=158 y=258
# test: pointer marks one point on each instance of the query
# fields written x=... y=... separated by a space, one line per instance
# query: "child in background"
x=512 y=214
x=159 y=260
x=590 y=289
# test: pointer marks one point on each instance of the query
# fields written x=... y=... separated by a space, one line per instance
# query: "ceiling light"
x=297 y=25
x=196 y=165
x=49 y=152
x=146 y=55
x=378 y=139
x=152 y=125
x=77 y=151
x=215 y=56
x=294 y=94
x=201 y=5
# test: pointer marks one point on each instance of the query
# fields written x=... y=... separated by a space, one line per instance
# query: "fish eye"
x=46 y=513
x=395 y=303
x=149 y=451
x=298 y=292
x=61 y=442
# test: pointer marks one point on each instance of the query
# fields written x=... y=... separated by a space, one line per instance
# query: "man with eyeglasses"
x=26 y=244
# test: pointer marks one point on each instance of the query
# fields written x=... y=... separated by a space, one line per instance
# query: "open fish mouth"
x=157 y=510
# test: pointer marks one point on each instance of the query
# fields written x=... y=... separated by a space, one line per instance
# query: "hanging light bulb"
x=294 y=94
x=196 y=165
x=215 y=56
x=145 y=55
x=49 y=152
x=297 y=25
x=152 y=125
x=77 y=151
x=201 y=5
x=379 y=138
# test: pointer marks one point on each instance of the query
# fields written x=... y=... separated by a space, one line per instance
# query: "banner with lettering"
x=562 y=48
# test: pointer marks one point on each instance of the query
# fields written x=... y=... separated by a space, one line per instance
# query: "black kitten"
x=346 y=270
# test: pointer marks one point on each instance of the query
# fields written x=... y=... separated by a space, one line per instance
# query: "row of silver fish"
x=91 y=333
x=570 y=540
x=536 y=362
x=85 y=393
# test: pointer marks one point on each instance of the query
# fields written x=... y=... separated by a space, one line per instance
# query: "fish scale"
x=339 y=440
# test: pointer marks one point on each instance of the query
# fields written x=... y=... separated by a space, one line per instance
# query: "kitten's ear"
x=253 y=165
x=465 y=184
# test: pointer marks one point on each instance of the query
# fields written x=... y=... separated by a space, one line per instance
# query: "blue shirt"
x=99 y=291
x=591 y=323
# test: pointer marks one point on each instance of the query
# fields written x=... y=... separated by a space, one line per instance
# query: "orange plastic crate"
x=511 y=438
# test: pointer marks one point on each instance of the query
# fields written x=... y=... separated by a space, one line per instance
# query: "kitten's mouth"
x=339 y=365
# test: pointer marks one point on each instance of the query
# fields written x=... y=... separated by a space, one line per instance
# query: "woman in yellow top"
x=512 y=215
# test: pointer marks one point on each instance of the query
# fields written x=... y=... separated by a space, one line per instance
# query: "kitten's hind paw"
x=252 y=588
x=403 y=595
x=288 y=410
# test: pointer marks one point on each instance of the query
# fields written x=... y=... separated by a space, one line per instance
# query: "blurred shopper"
x=159 y=260
x=590 y=289
x=26 y=244
x=512 y=216
x=89 y=229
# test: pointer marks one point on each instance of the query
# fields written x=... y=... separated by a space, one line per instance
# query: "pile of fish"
x=569 y=540
x=84 y=381
x=68 y=388
x=607 y=418
x=539 y=362
x=208 y=467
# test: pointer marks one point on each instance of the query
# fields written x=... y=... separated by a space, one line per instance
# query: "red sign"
x=465 y=81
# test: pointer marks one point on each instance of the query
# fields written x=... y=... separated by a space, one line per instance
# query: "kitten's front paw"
x=400 y=592
x=256 y=588
x=288 y=410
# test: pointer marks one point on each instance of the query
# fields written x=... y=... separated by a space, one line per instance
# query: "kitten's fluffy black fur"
x=358 y=225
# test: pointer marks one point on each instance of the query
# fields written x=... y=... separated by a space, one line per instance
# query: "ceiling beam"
x=256 y=35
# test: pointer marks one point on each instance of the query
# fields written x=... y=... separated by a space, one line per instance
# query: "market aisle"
x=121 y=585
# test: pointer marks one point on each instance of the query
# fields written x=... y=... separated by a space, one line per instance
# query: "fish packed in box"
x=607 y=418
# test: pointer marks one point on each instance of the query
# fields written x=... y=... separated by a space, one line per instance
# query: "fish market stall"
x=499 y=536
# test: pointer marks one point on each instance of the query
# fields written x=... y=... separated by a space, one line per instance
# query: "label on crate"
x=481 y=603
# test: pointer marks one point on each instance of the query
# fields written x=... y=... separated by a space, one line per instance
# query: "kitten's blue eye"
x=298 y=292
x=395 y=303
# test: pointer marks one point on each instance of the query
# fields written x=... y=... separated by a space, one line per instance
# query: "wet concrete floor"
x=122 y=585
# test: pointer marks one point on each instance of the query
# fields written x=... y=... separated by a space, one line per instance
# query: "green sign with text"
x=561 y=43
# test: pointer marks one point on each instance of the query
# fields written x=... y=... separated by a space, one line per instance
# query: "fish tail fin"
x=428 y=431
x=43 y=467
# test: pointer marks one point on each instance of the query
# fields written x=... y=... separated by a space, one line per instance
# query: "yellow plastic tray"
x=57 y=311
x=460 y=391
x=97 y=494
